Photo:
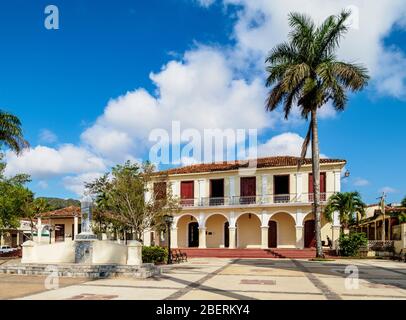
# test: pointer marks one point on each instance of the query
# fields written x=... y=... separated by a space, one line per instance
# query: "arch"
x=285 y=229
x=179 y=217
x=206 y=217
x=258 y=215
x=248 y=230
x=182 y=224
x=326 y=230
x=215 y=234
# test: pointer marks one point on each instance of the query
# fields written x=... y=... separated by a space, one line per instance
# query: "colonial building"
x=229 y=205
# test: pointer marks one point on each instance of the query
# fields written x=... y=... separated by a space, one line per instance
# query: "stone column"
x=335 y=229
x=1 y=240
x=174 y=237
x=299 y=237
x=231 y=236
x=84 y=241
x=75 y=226
x=28 y=252
x=134 y=253
x=39 y=230
x=264 y=237
x=202 y=238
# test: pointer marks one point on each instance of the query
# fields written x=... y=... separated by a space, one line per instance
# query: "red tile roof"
x=280 y=161
x=64 y=212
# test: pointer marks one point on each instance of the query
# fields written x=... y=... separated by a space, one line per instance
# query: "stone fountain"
x=86 y=256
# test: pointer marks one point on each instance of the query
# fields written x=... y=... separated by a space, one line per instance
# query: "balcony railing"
x=253 y=200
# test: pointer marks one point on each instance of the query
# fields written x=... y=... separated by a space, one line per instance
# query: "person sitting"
x=329 y=242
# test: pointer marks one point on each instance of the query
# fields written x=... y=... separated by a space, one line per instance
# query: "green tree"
x=349 y=205
x=403 y=203
x=11 y=133
x=14 y=199
x=305 y=72
x=120 y=198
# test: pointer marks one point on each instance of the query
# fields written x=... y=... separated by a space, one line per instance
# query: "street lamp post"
x=169 y=220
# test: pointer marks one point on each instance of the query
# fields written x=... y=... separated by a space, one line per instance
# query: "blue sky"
x=187 y=60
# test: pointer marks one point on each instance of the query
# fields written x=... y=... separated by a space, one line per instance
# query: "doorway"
x=226 y=235
x=217 y=192
x=272 y=235
x=193 y=235
x=310 y=234
x=281 y=189
x=59 y=232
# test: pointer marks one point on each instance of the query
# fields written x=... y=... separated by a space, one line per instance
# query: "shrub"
x=154 y=254
x=350 y=244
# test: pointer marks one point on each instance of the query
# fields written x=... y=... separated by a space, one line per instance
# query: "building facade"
x=231 y=205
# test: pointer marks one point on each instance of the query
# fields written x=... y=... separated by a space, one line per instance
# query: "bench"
x=183 y=255
x=175 y=257
x=400 y=257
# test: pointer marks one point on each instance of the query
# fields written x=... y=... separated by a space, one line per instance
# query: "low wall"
x=103 y=252
x=61 y=252
x=109 y=252
x=398 y=245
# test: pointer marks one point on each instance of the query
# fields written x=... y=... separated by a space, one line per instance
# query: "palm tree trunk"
x=316 y=183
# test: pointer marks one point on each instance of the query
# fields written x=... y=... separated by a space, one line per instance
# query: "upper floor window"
x=281 y=188
x=248 y=190
x=322 y=187
x=187 y=193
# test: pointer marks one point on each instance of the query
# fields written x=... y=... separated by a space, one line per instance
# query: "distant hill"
x=57 y=203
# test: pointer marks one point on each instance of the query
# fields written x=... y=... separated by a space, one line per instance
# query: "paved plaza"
x=213 y=278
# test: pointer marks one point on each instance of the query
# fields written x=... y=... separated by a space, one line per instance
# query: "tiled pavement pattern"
x=215 y=278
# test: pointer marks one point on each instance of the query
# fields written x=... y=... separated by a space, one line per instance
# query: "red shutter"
x=323 y=182
x=322 y=186
x=248 y=187
x=187 y=190
x=310 y=182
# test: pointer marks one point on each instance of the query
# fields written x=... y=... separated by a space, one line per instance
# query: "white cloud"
x=41 y=162
x=360 y=182
x=205 y=3
x=42 y=184
x=388 y=190
x=263 y=24
x=47 y=136
x=287 y=144
x=201 y=92
x=76 y=184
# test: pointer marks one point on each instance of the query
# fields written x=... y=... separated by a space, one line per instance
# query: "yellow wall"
x=248 y=231
x=183 y=225
x=206 y=176
x=286 y=231
x=215 y=226
x=325 y=226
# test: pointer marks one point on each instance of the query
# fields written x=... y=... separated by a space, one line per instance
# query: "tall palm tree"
x=306 y=72
x=11 y=133
x=349 y=205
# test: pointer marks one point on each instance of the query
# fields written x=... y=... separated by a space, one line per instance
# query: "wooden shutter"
x=248 y=187
x=187 y=190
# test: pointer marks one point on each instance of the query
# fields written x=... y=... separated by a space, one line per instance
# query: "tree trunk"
x=316 y=183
